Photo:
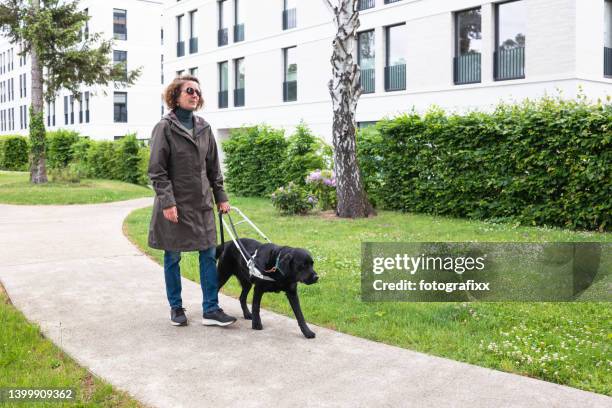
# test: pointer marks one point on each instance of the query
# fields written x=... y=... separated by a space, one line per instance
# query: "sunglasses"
x=191 y=91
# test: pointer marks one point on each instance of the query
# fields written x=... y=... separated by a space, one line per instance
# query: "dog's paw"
x=248 y=316
x=257 y=326
x=310 y=335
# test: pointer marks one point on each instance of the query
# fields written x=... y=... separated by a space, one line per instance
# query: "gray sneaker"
x=177 y=316
x=217 y=318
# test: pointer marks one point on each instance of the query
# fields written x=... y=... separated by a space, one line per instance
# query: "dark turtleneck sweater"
x=185 y=117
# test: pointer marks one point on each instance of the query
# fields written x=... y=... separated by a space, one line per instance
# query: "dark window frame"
x=121 y=117
x=116 y=34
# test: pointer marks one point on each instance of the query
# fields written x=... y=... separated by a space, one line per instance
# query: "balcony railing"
x=222 y=37
x=239 y=32
x=395 y=77
x=290 y=91
x=180 y=48
x=223 y=99
x=193 y=45
x=289 y=19
x=391 y=1
x=467 y=69
x=86 y=117
x=365 y=4
x=608 y=61
x=239 y=97
x=367 y=80
x=509 y=64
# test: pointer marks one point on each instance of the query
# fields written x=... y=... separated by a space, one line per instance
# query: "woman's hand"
x=224 y=207
x=171 y=214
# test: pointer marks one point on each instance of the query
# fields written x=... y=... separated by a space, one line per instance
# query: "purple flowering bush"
x=322 y=183
x=293 y=199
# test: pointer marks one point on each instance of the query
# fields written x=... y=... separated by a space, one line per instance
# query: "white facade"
x=143 y=47
x=564 y=50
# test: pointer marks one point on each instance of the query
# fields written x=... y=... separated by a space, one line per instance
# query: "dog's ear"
x=286 y=262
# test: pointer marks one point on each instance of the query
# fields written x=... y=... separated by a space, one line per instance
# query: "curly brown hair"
x=173 y=91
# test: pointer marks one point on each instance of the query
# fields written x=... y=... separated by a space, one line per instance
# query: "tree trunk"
x=38 y=171
x=345 y=91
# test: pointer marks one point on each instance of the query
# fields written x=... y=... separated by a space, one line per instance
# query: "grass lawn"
x=15 y=188
x=566 y=343
x=29 y=360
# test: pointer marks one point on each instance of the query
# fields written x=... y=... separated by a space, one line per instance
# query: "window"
x=509 y=55
x=12 y=118
x=65 y=110
x=86 y=24
x=223 y=84
x=366 y=61
x=71 y=109
x=81 y=109
x=120 y=58
x=365 y=4
x=222 y=32
x=180 y=44
x=53 y=113
x=120 y=108
x=395 y=60
x=179 y=73
x=23 y=92
x=120 y=24
x=161 y=69
x=391 y=1
x=86 y=108
x=193 y=71
x=239 y=82
x=290 y=75
x=468 y=46
x=193 y=38
x=289 y=14
x=25 y=116
x=238 y=24
x=608 y=38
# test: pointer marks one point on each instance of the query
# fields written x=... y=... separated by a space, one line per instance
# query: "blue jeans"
x=208 y=279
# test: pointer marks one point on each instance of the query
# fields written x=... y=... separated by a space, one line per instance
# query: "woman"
x=184 y=168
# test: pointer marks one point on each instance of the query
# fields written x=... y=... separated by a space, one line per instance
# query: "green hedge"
x=259 y=159
x=59 y=147
x=545 y=162
x=253 y=160
x=14 y=153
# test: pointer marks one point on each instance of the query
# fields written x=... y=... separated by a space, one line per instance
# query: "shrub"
x=128 y=160
x=322 y=184
x=545 y=162
x=304 y=154
x=253 y=159
x=102 y=160
x=68 y=174
x=14 y=153
x=59 y=147
x=293 y=199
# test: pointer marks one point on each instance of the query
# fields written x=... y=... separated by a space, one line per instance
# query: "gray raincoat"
x=184 y=168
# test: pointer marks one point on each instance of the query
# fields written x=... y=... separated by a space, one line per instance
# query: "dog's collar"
x=276 y=267
x=254 y=271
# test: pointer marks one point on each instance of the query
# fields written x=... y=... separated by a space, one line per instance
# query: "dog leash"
x=254 y=272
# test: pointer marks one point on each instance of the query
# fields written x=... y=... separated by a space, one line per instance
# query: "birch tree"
x=62 y=57
x=345 y=91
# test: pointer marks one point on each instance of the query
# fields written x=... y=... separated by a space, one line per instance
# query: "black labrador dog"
x=287 y=266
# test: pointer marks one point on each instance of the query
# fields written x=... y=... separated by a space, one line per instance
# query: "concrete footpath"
x=71 y=270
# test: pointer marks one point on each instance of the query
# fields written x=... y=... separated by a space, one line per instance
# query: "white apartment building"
x=103 y=112
x=267 y=61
